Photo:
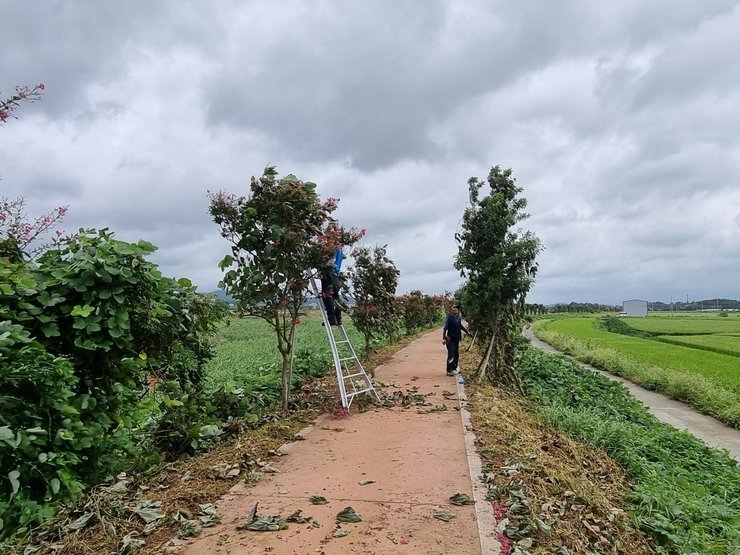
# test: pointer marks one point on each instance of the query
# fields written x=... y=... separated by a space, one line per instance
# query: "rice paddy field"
x=694 y=358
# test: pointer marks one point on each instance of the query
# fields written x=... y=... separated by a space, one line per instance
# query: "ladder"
x=352 y=378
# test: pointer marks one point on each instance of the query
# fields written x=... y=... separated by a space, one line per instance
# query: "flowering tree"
x=374 y=279
x=18 y=231
x=419 y=310
x=499 y=262
x=281 y=236
x=22 y=94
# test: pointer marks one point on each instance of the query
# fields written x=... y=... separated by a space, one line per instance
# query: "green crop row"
x=686 y=495
x=709 y=396
x=246 y=354
x=718 y=368
x=723 y=344
x=686 y=325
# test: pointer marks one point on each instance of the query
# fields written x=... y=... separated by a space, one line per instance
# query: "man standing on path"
x=451 y=336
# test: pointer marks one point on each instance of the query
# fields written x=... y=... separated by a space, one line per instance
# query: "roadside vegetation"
x=686 y=496
x=709 y=381
x=579 y=466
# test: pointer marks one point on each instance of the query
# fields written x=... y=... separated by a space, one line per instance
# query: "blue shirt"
x=454 y=328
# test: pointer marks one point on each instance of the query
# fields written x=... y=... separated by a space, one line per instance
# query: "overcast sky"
x=619 y=119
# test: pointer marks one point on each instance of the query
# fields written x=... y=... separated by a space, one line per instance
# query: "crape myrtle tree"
x=281 y=236
x=419 y=310
x=498 y=261
x=374 y=278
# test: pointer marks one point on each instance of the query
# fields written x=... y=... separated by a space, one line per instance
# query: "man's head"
x=454 y=311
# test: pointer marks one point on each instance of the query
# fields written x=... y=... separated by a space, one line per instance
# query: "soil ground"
x=396 y=466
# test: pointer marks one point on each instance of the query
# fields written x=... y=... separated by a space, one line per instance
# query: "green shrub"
x=84 y=332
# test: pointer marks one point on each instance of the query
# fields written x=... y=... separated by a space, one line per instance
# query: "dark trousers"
x=332 y=312
x=453 y=354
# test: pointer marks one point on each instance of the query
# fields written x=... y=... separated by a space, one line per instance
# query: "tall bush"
x=88 y=329
x=374 y=279
x=498 y=261
x=419 y=310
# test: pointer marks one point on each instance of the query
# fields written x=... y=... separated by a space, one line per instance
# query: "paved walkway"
x=677 y=414
x=415 y=462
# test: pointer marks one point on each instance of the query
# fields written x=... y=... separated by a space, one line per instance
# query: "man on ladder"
x=352 y=378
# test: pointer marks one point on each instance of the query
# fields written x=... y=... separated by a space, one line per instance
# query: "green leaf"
x=50 y=330
x=348 y=514
x=149 y=511
x=318 y=500
x=55 y=485
x=81 y=522
x=6 y=433
x=227 y=261
x=146 y=246
x=461 y=499
x=15 y=484
x=83 y=311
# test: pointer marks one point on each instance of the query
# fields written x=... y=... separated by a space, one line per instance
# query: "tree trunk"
x=285 y=381
x=481 y=371
x=472 y=341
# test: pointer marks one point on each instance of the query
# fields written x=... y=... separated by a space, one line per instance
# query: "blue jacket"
x=454 y=328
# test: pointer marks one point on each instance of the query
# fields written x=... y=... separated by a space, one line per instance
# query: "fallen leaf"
x=461 y=499
x=348 y=514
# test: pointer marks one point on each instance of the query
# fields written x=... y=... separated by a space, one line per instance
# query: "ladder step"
x=359 y=374
x=353 y=393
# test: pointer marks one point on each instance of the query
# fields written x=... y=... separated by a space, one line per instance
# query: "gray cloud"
x=619 y=121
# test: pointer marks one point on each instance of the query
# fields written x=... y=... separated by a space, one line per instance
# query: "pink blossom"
x=40 y=86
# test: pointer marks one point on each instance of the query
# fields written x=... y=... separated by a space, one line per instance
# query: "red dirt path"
x=417 y=461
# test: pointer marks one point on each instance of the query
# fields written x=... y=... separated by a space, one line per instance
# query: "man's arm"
x=444 y=330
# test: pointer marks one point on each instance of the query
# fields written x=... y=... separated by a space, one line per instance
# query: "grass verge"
x=701 y=392
x=685 y=495
x=551 y=494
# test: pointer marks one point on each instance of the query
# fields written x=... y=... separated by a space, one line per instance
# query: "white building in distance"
x=635 y=307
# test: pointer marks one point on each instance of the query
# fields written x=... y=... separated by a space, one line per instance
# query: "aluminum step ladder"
x=352 y=378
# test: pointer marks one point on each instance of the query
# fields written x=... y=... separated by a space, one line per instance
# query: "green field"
x=702 y=368
x=695 y=324
x=724 y=369
x=246 y=352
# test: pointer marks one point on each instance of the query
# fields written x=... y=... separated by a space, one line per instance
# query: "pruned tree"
x=280 y=235
x=374 y=278
x=498 y=261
